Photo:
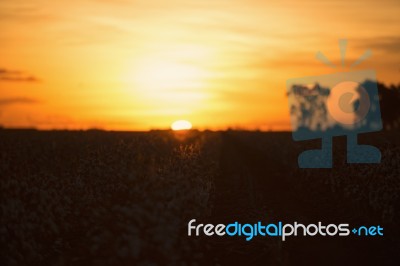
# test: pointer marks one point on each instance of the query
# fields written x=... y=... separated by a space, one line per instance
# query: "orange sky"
x=138 y=65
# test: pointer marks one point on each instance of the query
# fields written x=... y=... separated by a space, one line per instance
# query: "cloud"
x=16 y=76
x=17 y=100
x=389 y=44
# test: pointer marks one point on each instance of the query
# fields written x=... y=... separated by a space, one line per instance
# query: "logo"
x=281 y=230
x=338 y=104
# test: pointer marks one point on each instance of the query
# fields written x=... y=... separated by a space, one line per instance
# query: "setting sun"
x=181 y=125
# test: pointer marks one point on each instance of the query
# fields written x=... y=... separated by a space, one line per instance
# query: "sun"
x=181 y=125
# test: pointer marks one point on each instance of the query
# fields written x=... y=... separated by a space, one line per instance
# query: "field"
x=125 y=198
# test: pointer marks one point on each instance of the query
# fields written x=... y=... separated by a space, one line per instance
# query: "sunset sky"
x=139 y=65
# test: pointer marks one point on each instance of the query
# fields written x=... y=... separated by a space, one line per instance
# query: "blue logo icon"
x=339 y=104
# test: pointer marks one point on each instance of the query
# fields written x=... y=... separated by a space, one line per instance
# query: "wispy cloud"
x=389 y=44
x=17 y=100
x=16 y=76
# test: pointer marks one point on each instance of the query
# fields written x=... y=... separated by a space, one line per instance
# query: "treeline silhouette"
x=309 y=110
x=390 y=105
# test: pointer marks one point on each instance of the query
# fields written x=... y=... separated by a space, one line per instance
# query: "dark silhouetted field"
x=121 y=198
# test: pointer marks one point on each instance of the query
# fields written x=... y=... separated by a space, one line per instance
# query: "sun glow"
x=157 y=75
x=167 y=85
x=181 y=125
